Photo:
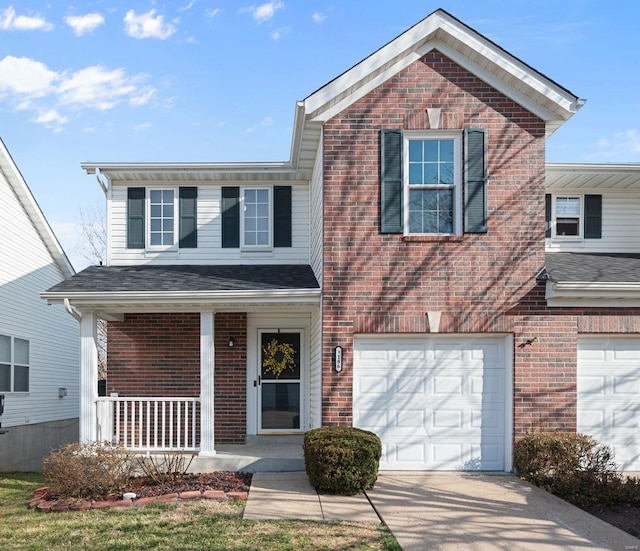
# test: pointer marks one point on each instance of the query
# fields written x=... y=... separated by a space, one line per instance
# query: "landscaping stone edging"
x=42 y=500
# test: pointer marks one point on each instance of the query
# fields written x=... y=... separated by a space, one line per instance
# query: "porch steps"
x=262 y=453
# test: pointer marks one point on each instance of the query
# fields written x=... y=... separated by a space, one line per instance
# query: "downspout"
x=72 y=311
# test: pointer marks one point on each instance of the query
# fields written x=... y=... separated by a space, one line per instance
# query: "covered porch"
x=184 y=359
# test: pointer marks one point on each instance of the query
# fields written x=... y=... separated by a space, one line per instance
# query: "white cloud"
x=264 y=12
x=147 y=25
x=26 y=84
x=82 y=24
x=275 y=35
x=9 y=20
x=213 y=12
x=318 y=17
x=99 y=88
x=187 y=7
x=25 y=77
x=51 y=119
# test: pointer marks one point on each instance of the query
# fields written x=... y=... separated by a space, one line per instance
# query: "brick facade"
x=156 y=355
x=481 y=283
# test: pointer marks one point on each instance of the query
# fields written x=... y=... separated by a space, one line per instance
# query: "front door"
x=279 y=380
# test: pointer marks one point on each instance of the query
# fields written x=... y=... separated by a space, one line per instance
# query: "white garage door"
x=437 y=403
x=609 y=395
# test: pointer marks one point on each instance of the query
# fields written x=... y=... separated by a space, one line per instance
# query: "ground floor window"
x=14 y=364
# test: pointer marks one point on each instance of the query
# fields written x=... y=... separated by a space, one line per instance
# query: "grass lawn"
x=192 y=525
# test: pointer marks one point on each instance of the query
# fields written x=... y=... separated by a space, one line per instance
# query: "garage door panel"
x=444 y=399
x=609 y=395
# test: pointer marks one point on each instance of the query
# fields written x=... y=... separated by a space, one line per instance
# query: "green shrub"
x=87 y=470
x=342 y=460
x=572 y=466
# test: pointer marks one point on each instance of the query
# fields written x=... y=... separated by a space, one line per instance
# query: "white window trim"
x=243 y=245
x=12 y=366
x=457 y=177
x=147 y=215
x=580 y=217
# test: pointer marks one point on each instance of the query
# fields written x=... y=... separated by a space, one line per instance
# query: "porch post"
x=207 y=352
x=88 y=377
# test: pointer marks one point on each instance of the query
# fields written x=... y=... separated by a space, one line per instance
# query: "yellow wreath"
x=278 y=356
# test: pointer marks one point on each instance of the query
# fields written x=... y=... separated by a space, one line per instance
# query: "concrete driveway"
x=446 y=511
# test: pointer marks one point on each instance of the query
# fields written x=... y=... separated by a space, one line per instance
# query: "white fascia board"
x=105 y=167
x=594 y=168
x=566 y=107
x=360 y=92
x=177 y=297
x=619 y=295
x=422 y=38
x=372 y=64
x=567 y=103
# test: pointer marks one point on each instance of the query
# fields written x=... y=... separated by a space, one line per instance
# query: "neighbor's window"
x=567 y=216
x=432 y=184
x=162 y=219
x=14 y=364
x=256 y=217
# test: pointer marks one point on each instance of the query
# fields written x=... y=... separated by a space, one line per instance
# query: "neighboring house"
x=39 y=346
x=400 y=253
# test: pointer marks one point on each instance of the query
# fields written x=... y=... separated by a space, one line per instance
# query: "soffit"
x=592 y=176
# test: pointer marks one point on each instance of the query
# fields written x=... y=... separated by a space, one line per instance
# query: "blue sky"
x=207 y=80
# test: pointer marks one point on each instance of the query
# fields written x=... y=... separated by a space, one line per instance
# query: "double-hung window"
x=432 y=184
x=256 y=217
x=568 y=212
x=14 y=364
x=574 y=216
x=162 y=217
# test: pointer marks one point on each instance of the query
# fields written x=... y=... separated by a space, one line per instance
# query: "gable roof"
x=17 y=183
x=482 y=57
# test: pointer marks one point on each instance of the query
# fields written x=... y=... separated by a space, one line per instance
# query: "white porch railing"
x=149 y=424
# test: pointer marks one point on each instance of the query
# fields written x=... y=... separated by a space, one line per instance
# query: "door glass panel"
x=281 y=405
x=280 y=381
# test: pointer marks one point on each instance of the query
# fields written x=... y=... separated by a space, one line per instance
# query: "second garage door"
x=609 y=395
x=437 y=403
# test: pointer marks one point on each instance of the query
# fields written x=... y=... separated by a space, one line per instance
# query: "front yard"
x=190 y=525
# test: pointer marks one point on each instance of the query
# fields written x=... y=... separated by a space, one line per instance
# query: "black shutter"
x=475 y=181
x=593 y=216
x=282 y=216
x=188 y=217
x=547 y=215
x=230 y=217
x=391 y=181
x=135 y=218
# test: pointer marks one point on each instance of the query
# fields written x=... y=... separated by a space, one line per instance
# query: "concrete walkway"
x=290 y=496
x=444 y=511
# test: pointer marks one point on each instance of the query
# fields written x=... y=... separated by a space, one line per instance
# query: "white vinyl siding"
x=26 y=270
x=620 y=224
x=315 y=376
x=316 y=216
x=209 y=249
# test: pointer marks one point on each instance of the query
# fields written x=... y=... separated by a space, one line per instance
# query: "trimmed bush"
x=81 y=471
x=342 y=460
x=572 y=466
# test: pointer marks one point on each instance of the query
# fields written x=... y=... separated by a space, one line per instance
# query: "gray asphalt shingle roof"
x=593 y=268
x=116 y=279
